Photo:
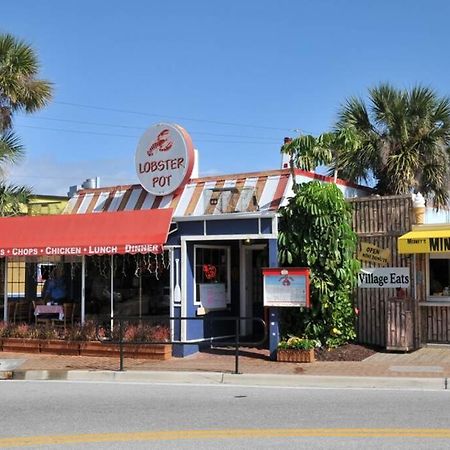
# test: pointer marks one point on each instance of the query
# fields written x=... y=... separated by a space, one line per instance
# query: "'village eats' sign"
x=164 y=158
x=82 y=250
x=386 y=277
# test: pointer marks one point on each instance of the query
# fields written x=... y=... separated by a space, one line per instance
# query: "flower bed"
x=84 y=340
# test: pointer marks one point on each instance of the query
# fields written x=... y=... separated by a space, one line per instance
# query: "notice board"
x=213 y=295
x=286 y=286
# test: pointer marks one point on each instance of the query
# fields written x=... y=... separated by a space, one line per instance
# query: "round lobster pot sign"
x=164 y=159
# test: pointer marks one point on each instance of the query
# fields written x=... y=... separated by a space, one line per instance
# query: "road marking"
x=421 y=433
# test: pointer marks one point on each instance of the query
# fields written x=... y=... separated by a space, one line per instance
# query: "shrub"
x=295 y=342
x=315 y=232
x=90 y=331
x=4 y=329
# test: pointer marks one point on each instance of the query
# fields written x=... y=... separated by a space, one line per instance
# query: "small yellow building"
x=38 y=205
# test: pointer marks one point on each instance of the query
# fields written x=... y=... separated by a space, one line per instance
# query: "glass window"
x=212 y=265
x=16 y=279
x=439 y=276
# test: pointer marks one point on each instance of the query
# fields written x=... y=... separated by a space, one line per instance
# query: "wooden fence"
x=380 y=221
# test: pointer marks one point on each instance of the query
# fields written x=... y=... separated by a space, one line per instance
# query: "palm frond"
x=13 y=199
x=404 y=139
x=11 y=149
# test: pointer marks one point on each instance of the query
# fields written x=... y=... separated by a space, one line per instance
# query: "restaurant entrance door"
x=253 y=257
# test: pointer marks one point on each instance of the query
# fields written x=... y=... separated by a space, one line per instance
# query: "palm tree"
x=20 y=91
x=403 y=142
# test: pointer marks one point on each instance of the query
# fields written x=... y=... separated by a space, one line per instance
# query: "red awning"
x=143 y=231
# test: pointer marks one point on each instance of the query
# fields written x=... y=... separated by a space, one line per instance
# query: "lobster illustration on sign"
x=210 y=271
x=286 y=280
x=162 y=143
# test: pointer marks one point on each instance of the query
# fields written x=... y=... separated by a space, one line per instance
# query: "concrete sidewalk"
x=425 y=368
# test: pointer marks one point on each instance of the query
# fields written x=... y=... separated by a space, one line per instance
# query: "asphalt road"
x=74 y=415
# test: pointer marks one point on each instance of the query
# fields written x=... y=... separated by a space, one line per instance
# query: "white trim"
x=428 y=296
x=83 y=289
x=111 y=287
x=5 y=292
x=226 y=216
x=242 y=291
x=227 y=237
x=228 y=253
x=172 y=288
x=183 y=275
x=438 y=255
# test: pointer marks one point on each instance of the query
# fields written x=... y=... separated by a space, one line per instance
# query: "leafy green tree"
x=307 y=152
x=315 y=232
x=403 y=141
x=20 y=91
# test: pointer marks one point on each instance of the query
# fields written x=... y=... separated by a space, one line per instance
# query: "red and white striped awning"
x=247 y=192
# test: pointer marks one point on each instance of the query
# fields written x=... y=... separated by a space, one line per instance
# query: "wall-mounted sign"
x=213 y=295
x=431 y=241
x=286 y=286
x=374 y=254
x=384 y=277
x=164 y=158
x=210 y=271
x=82 y=250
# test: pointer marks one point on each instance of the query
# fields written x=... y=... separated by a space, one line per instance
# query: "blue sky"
x=238 y=75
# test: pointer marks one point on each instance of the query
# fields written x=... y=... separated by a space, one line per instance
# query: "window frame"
x=429 y=297
x=227 y=249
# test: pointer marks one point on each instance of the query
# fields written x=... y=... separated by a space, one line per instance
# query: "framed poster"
x=286 y=286
x=213 y=295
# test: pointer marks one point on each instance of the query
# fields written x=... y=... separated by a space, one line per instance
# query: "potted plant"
x=296 y=349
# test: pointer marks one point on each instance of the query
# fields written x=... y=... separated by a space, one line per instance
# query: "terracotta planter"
x=295 y=355
x=158 y=352
x=144 y=351
x=96 y=348
x=59 y=347
x=21 y=345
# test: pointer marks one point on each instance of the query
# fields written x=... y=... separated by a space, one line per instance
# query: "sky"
x=238 y=75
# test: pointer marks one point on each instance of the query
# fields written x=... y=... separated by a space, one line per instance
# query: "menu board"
x=286 y=286
x=213 y=295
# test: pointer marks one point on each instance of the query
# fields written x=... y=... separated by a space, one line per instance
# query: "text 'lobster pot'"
x=164 y=159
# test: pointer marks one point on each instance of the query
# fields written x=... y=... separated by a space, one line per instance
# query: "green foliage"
x=20 y=91
x=12 y=199
x=403 y=139
x=315 y=232
x=297 y=343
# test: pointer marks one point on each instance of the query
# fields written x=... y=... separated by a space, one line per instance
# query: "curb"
x=219 y=378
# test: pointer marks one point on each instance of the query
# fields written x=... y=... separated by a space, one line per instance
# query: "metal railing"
x=112 y=331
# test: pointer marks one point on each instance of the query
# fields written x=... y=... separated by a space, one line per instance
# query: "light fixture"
x=247 y=241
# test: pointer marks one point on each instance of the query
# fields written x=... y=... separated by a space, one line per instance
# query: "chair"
x=69 y=314
x=22 y=312
x=11 y=308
